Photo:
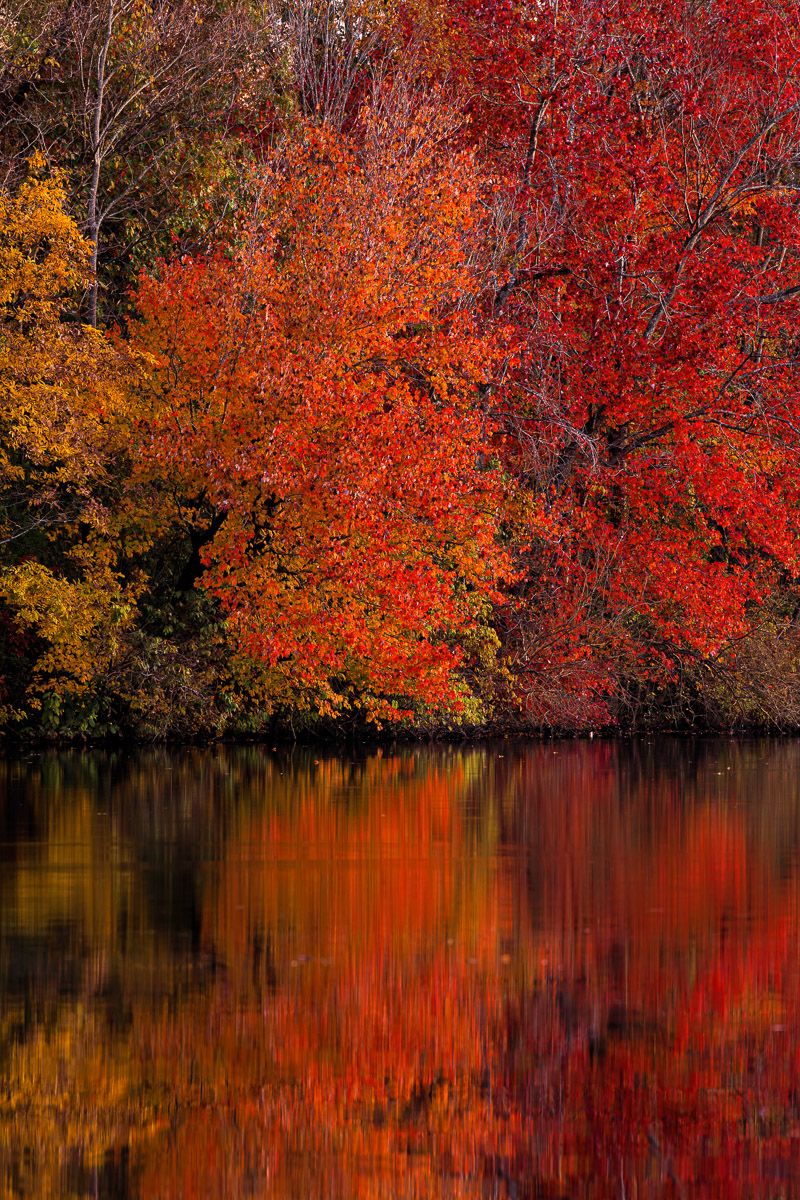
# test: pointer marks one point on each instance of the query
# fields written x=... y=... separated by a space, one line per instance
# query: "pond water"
x=516 y=970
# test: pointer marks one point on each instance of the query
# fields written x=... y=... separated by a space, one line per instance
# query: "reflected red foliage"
x=609 y=1008
x=524 y=972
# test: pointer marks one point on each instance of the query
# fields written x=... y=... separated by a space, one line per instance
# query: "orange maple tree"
x=313 y=422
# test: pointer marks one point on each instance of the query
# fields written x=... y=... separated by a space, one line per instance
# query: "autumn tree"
x=644 y=238
x=63 y=394
x=313 y=427
x=134 y=102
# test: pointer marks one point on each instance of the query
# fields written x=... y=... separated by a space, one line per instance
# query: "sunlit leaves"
x=62 y=413
x=317 y=390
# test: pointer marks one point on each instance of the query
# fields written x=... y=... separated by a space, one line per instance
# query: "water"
x=515 y=970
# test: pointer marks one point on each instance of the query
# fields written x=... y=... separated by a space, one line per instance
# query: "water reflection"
x=511 y=970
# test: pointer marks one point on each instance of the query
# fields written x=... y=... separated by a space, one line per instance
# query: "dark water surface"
x=517 y=970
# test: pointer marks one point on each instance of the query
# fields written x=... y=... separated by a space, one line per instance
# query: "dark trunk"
x=199 y=538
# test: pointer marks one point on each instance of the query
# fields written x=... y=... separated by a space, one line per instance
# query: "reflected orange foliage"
x=424 y=975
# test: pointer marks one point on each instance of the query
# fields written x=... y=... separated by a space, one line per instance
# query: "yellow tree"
x=62 y=401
